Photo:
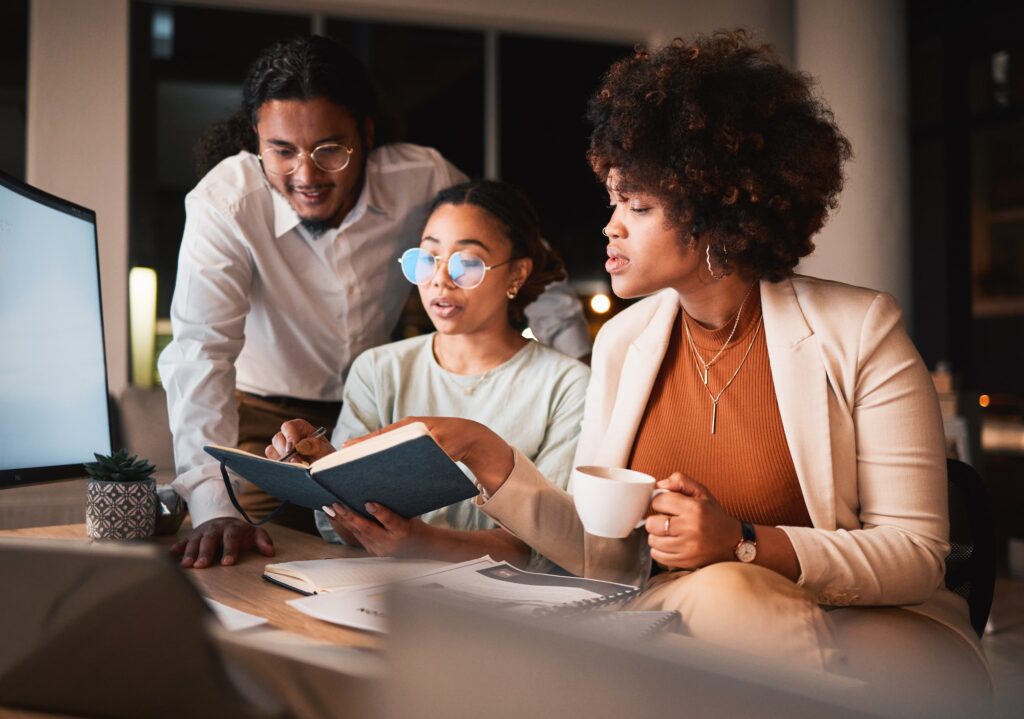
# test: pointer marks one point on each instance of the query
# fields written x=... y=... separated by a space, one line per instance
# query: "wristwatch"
x=746 y=548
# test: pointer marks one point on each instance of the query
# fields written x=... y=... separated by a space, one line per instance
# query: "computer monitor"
x=54 y=412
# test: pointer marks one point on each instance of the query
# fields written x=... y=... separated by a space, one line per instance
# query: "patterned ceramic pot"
x=120 y=510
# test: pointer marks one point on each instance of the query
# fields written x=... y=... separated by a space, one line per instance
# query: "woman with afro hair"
x=790 y=418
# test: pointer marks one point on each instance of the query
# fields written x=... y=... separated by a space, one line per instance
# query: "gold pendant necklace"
x=704 y=375
x=689 y=338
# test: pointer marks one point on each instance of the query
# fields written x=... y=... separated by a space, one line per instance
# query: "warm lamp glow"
x=984 y=400
x=142 y=314
x=600 y=304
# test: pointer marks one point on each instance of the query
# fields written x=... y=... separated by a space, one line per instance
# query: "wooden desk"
x=242 y=586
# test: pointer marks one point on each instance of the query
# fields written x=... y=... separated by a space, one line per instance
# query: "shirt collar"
x=372 y=197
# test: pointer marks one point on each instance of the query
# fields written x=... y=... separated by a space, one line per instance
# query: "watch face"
x=746 y=551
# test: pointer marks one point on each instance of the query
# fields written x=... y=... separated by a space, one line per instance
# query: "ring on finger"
x=667 y=521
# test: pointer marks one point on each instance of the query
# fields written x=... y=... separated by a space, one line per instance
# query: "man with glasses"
x=287 y=272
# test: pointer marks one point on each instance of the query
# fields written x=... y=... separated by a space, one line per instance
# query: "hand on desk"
x=225 y=536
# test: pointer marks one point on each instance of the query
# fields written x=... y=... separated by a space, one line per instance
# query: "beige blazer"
x=862 y=421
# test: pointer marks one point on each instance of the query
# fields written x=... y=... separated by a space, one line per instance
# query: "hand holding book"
x=404 y=469
x=472 y=443
x=466 y=441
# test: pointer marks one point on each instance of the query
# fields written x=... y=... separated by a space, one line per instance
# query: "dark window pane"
x=13 y=81
x=431 y=83
x=545 y=85
x=184 y=77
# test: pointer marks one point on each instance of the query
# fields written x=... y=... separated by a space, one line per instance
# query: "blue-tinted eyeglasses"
x=466 y=269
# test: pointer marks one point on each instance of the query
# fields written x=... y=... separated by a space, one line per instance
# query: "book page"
x=326 y=575
x=371 y=446
x=242 y=452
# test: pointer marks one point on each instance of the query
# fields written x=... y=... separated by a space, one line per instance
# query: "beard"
x=315 y=227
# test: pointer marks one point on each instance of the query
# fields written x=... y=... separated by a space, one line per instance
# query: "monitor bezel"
x=10 y=478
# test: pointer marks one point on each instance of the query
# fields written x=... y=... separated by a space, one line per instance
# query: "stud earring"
x=512 y=291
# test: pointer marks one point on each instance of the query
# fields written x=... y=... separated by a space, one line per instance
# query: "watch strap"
x=748 y=532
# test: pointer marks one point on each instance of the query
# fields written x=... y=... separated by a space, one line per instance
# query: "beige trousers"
x=907 y=661
x=259 y=419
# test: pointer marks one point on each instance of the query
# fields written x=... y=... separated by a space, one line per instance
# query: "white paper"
x=234 y=619
x=364 y=608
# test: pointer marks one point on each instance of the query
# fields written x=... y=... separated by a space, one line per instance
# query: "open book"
x=315 y=576
x=479 y=580
x=403 y=469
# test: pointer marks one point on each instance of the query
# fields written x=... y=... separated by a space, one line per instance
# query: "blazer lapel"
x=639 y=371
x=801 y=386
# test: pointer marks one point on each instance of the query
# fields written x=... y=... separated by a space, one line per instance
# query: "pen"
x=320 y=432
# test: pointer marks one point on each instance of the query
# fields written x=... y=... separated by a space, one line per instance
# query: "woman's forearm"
x=452 y=545
x=775 y=552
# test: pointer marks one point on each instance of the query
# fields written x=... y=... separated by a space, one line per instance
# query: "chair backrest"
x=971 y=564
x=142 y=428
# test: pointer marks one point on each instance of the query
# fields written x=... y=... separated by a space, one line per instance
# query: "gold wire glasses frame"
x=330 y=157
x=465 y=269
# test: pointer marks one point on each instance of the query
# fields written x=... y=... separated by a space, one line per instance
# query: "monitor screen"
x=53 y=382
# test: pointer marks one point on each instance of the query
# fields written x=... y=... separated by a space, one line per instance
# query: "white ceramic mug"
x=611 y=501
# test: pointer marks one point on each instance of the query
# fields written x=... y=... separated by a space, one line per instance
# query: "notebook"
x=403 y=469
x=315 y=576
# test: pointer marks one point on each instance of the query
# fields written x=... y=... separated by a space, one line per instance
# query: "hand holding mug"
x=689 y=528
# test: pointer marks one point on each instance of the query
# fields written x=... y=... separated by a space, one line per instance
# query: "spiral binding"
x=584 y=605
x=622 y=624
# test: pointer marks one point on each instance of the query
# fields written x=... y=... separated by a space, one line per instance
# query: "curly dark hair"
x=301 y=68
x=516 y=215
x=736 y=146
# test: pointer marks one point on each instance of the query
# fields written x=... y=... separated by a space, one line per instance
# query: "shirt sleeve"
x=556 y=318
x=197 y=369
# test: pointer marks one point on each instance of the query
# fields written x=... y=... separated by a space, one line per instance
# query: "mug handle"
x=643 y=520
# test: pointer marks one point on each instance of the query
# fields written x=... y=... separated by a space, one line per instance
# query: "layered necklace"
x=703 y=367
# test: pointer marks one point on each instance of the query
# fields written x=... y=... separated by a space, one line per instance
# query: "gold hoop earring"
x=707 y=254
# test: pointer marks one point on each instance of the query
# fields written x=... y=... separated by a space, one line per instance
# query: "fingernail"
x=329 y=512
x=371 y=507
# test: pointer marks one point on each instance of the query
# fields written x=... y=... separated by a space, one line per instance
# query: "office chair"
x=971 y=564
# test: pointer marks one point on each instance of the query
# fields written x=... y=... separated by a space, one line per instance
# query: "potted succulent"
x=120 y=500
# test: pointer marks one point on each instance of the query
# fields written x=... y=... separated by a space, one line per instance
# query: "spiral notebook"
x=497 y=584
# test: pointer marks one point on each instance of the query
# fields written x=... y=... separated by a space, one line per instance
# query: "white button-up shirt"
x=262 y=305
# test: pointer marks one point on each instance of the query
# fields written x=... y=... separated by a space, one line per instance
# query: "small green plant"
x=119 y=467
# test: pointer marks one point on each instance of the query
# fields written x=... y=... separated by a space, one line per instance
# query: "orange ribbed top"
x=746 y=463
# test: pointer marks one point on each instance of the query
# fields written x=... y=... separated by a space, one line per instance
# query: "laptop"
x=109 y=630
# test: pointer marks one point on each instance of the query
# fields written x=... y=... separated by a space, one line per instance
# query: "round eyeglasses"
x=466 y=269
x=330 y=157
